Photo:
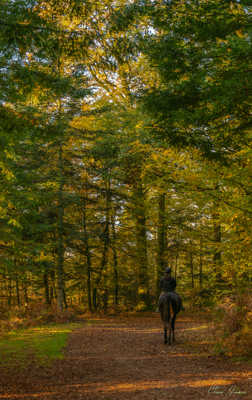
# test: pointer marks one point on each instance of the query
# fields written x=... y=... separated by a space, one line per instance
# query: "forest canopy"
x=125 y=129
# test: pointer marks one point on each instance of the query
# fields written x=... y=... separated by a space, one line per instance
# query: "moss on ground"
x=44 y=344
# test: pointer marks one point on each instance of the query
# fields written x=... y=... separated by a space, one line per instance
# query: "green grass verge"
x=44 y=344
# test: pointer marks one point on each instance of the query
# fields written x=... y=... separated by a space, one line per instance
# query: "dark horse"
x=169 y=306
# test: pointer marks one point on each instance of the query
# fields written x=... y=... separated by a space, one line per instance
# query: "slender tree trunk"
x=141 y=244
x=217 y=239
x=89 y=283
x=95 y=298
x=161 y=239
x=9 y=292
x=17 y=291
x=115 y=261
x=25 y=290
x=200 y=265
x=217 y=251
x=65 y=298
x=60 y=253
x=106 y=243
x=53 y=291
x=52 y=294
x=191 y=268
x=176 y=265
x=87 y=251
x=3 y=288
x=47 y=290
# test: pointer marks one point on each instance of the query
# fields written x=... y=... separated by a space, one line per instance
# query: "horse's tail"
x=167 y=311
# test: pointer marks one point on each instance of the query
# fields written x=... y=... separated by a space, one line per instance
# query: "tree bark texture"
x=141 y=243
x=60 y=234
x=161 y=240
x=87 y=252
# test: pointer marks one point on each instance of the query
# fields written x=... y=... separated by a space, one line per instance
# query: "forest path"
x=125 y=358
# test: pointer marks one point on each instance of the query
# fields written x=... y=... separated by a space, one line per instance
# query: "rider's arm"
x=174 y=283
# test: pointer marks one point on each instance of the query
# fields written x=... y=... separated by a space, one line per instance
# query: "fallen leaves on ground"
x=123 y=358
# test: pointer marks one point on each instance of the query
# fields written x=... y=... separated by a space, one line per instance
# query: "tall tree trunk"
x=65 y=298
x=141 y=244
x=217 y=239
x=115 y=261
x=176 y=264
x=105 y=251
x=95 y=298
x=25 y=290
x=161 y=239
x=53 y=290
x=200 y=265
x=60 y=247
x=89 y=282
x=217 y=252
x=17 y=291
x=191 y=268
x=9 y=291
x=87 y=251
x=3 y=288
x=47 y=290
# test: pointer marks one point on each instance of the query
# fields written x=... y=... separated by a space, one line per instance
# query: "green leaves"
x=202 y=54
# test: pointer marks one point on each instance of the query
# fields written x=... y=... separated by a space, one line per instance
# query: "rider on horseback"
x=169 y=304
x=167 y=284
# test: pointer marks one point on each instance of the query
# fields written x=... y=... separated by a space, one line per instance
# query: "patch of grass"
x=196 y=328
x=241 y=359
x=44 y=344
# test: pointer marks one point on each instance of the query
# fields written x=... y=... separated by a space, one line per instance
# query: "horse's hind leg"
x=173 y=327
x=165 y=334
x=170 y=329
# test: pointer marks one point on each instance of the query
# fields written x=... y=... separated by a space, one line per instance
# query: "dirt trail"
x=125 y=358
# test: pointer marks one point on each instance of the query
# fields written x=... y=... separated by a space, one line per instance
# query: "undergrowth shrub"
x=35 y=314
x=200 y=299
x=234 y=324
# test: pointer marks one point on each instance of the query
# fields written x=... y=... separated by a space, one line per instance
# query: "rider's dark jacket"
x=167 y=284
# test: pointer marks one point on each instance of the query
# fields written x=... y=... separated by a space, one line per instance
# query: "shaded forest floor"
x=125 y=358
